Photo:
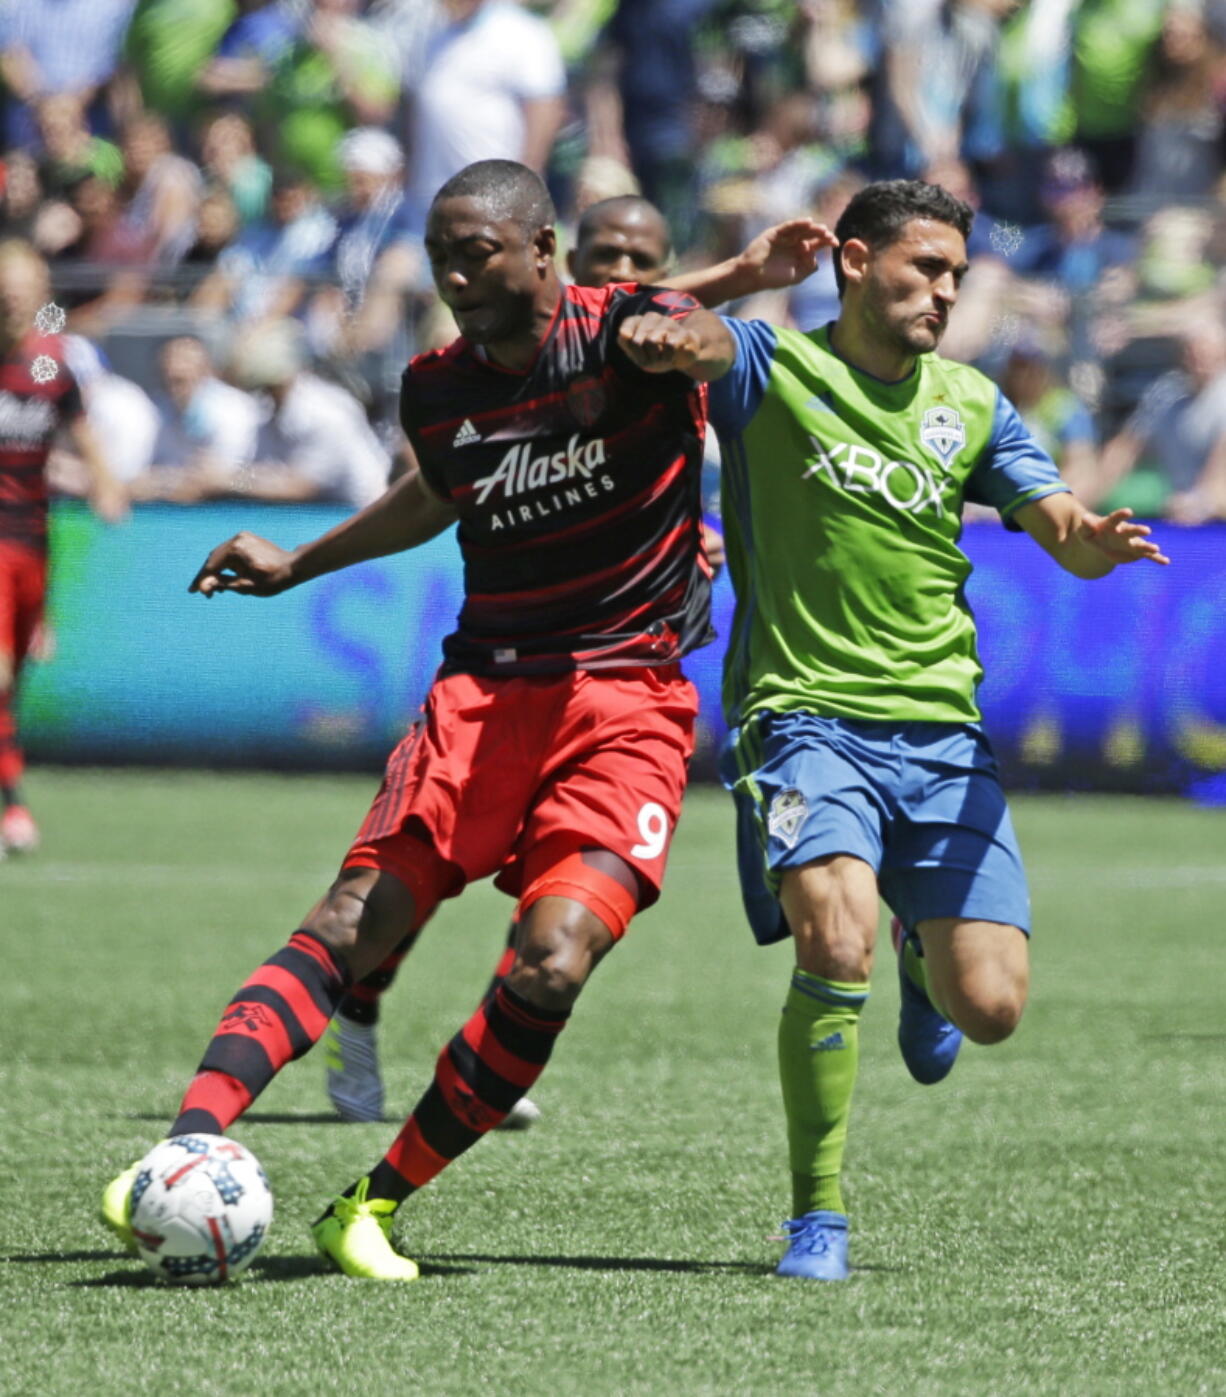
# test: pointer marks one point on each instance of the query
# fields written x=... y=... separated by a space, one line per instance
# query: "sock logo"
x=252 y=1017
x=831 y=1043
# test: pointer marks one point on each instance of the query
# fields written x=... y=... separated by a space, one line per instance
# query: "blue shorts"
x=919 y=802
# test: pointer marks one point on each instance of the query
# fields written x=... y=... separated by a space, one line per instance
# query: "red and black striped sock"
x=11 y=762
x=277 y=1015
x=485 y=1069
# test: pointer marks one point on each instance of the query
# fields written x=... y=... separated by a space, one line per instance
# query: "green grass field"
x=1050 y=1220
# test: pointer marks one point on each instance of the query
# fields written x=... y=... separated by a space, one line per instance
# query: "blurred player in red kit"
x=552 y=749
x=38 y=398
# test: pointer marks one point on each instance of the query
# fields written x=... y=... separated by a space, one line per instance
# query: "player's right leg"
x=809 y=827
x=280 y=1012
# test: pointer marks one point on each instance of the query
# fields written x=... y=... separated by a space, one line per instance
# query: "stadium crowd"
x=231 y=198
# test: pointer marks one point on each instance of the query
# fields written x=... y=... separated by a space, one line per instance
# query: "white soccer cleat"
x=18 y=832
x=355 y=1087
x=523 y=1114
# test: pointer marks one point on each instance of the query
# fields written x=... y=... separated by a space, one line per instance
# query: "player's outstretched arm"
x=407 y=514
x=699 y=344
x=1086 y=544
x=782 y=256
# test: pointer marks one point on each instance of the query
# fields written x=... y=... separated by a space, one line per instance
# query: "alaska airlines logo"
x=902 y=484
x=520 y=471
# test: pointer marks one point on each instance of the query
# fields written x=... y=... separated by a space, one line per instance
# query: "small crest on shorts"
x=787 y=814
x=586 y=398
x=942 y=433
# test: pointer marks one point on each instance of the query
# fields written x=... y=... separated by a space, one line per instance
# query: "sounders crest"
x=942 y=433
x=786 y=815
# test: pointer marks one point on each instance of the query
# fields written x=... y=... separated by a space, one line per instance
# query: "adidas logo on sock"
x=829 y=1043
x=466 y=435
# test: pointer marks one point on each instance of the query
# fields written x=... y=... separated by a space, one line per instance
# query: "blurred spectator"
x=1178 y=155
x=49 y=47
x=316 y=444
x=1054 y=414
x=641 y=102
x=26 y=214
x=935 y=54
x=1111 y=44
x=373 y=263
x=168 y=45
x=207 y=431
x=104 y=235
x=1170 y=456
x=162 y=190
x=216 y=227
x=251 y=47
x=230 y=161
x=1029 y=93
x=121 y=414
x=264 y=273
x=489 y=84
x=336 y=73
x=69 y=150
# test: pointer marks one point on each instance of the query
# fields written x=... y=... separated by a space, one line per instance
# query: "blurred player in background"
x=38 y=397
x=552 y=749
x=622 y=240
x=856 y=756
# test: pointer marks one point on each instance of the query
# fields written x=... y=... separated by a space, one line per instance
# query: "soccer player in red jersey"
x=552 y=748
x=38 y=397
x=619 y=240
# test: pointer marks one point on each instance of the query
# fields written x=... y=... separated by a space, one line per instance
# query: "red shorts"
x=494 y=768
x=23 y=587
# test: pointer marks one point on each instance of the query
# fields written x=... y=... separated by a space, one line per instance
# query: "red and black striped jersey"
x=578 y=489
x=38 y=395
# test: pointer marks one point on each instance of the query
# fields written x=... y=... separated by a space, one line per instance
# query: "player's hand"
x=658 y=343
x=785 y=254
x=109 y=500
x=1119 y=539
x=246 y=564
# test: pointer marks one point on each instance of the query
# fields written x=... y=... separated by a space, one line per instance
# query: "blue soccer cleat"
x=817 y=1247
x=928 y=1042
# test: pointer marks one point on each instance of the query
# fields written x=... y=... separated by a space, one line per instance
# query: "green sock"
x=819 y=1051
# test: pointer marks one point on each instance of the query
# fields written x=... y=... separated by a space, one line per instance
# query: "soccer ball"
x=201 y=1208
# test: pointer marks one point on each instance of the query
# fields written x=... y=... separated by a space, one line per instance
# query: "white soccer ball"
x=201 y=1209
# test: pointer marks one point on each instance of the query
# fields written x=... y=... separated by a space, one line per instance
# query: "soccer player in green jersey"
x=856 y=757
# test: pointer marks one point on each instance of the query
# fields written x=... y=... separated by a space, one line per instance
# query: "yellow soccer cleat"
x=116 y=1210
x=355 y=1235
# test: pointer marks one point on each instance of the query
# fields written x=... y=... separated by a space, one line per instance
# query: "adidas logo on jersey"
x=466 y=435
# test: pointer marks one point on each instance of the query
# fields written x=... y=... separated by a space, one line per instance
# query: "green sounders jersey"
x=842 y=501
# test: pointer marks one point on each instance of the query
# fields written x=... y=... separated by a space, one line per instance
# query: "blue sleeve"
x=1014 y=469
x=734 y=398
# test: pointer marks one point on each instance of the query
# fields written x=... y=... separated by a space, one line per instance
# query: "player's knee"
x=556 y=956
x=363 y=915
x=993 y=1011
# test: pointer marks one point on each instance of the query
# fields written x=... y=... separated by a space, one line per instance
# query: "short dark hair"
x=508 y=190
x=593 y=215
x=879 y=212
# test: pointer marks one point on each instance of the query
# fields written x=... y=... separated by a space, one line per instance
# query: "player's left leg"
x=571 y=914
x=23 y=576
x=953 y=873
x=979 y=974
